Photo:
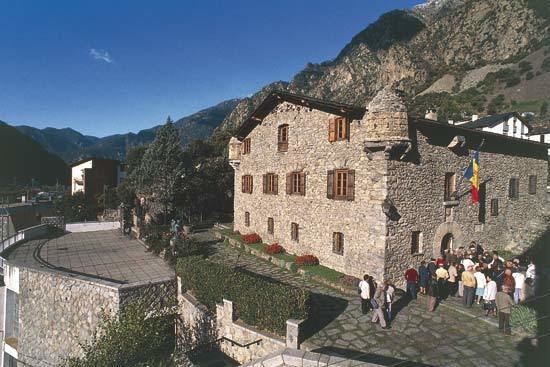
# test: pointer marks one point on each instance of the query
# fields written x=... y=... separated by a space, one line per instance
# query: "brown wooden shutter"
x=242 y=184
x=330 y=184
x=332 y=130
x=302 y=188
x=275 y=184
x=289 y=183
x=264 y=183
x=347 y=126
x=251 y=184
x=351 y=185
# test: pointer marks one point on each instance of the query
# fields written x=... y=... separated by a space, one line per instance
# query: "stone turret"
x=234 y=152
x=386 y=118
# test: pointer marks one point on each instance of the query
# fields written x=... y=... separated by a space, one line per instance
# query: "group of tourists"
x=379 y=298
x=477 y=276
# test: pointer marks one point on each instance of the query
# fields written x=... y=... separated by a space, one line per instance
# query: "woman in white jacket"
x=489 y=296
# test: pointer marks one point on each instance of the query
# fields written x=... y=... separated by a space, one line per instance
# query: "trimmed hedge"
x=259 y=301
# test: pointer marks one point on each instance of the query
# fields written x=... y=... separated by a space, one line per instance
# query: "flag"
x=472 y=175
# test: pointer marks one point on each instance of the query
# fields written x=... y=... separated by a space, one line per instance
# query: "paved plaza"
x=417 y=338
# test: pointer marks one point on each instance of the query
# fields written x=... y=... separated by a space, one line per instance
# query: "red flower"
x=274 y=248
x=307 y=260
x=251 y=238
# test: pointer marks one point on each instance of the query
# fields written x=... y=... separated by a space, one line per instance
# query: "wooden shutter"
x=264 y=183
x=275 y=184
x=517 y=188
x=347 y=126
x=332 y=130
x=302 y=188
x=330 y=184
x=289 y=183
x=351 y=185
x=511 y=188
x=251 y=184
x=242 y=184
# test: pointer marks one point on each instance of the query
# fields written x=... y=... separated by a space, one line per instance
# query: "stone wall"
x=161 y=293
x=57 y=312
x=416 y=187
x=361 y=220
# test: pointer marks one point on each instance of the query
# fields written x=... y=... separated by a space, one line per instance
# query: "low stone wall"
x=91 y=226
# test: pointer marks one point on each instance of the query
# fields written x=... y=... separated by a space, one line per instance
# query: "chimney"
x=475 y=117
x=431 y=114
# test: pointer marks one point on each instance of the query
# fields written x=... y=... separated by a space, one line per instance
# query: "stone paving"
x=417 y=337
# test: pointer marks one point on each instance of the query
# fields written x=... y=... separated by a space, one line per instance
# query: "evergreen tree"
x=160 y=170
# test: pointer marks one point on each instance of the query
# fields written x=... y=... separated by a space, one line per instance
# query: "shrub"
x=525 y=317
x=350 y=281
x=274 y=248
x=251 y=238
x=260 y=302
x=529 y=75
x=307 y=260
x=525 y=66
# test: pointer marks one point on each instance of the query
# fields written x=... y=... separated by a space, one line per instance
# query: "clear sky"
x=111 y=66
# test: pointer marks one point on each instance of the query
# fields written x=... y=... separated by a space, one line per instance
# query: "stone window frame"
x=295 y=232
x=270 y=225
x=513 y=188
x=247 y=219
x=417 y=242
x=247 y=183
x=341 y=184
x=494 y=207
x=449 y=193
x=296 y=183
x=339 y=129
x=282 y=138
x=270 y=183
x=532 y=184
x=246 y=145
x=338 y=243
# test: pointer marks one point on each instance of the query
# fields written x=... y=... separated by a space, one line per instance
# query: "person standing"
x=489 y=296
x=469 y=282
x=460 y=270
x=442 y=275
x=424 y=275
x=411 y=276
x=432 y=293
x=480 y=284
x=504 y=305
x=432 y=267
x=390 y=291
x=519 y=279
x=378 y=302
x=365 y=292
x=452 y=285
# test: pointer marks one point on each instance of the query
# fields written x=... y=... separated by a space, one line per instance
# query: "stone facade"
x=400 y=165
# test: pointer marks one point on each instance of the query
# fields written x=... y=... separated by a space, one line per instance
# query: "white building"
x=92 y=175
x=509 y=123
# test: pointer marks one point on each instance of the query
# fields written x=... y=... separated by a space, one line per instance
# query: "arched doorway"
x=447 y=243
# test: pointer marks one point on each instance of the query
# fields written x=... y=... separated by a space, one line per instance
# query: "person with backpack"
x=365 y=294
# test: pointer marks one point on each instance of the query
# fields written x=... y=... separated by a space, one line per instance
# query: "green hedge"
x=259 y=301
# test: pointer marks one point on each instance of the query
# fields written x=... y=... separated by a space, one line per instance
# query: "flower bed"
x=251 y=238
x=307 y=260
x=274 y=248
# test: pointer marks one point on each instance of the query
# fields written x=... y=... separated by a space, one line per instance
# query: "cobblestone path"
x=417 y=337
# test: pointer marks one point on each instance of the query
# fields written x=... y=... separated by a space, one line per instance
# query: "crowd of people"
x=475 y=275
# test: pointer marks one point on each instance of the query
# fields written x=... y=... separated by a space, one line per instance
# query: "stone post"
x=293 y=337
x=228 y=310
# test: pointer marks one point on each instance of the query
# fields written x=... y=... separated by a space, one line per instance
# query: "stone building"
x=376 y=192
x=58 y=288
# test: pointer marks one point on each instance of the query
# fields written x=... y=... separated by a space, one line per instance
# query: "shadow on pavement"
x=368 y=357
x=324 y=309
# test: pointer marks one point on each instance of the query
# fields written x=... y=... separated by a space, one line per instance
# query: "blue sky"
x=106 y=66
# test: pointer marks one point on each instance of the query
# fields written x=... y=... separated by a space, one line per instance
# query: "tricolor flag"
x=472 y=175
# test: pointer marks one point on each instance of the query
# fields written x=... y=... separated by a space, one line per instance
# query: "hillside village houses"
x=509 y=124
x=375 y=190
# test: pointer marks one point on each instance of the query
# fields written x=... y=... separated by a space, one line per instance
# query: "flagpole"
x=478 y=149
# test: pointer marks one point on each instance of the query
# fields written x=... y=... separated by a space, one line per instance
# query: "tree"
x=544 y=109
x=76 y=208
x=160 y=170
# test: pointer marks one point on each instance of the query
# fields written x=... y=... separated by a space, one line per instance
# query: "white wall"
x=91 y=226
x=77 y=173
x=520 y=131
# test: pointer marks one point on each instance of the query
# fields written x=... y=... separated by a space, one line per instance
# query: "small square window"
x=282 y=138
x=494 y=207
x=246 y=146
x=247 y=219
x=532 y=185
x=450 y=186
x=270 y=183
x=338 y=243
x=270 y=226
x=339 y=129
x=247 y=184
x=513 y=189
x=416 y=242
x=294 y=231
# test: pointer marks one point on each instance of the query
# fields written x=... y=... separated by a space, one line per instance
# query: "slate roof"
x=493 y=120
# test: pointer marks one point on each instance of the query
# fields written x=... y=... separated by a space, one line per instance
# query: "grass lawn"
x=323 y=272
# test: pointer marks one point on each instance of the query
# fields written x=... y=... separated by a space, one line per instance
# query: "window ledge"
x=450 y=203
x=418 y=254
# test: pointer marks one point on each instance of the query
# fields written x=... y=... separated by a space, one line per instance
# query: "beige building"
x=376 y=192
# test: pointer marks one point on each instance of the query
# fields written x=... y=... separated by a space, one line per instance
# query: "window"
x=270 y=226
x=294 y=231
x=338 y=129
x=532 y=185
x=246 y=146
x=270 y=183
x=282 y=138
x=515 y=126
x=542 y=138
x=505 y=127
x=450 y=186
x=296 y=183
x=247 y=184
x=338 y=243
x=341 y=184
x=513 y=190
x=494 y=207
x=247 y=219
x=416 y=242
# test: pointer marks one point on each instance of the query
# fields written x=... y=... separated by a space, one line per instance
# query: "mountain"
x=22 y=159
x=467 y=56
x=72 y=145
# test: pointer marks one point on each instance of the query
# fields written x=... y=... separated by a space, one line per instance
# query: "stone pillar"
x=228 y=310
x=293 y=337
